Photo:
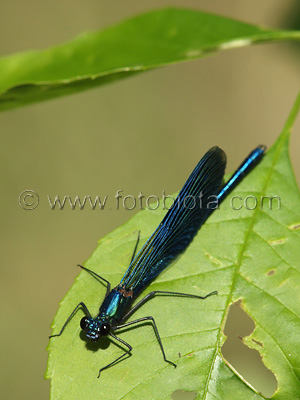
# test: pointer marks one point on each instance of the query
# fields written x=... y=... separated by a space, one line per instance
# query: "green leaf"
x=142 y=43
x=252 y=256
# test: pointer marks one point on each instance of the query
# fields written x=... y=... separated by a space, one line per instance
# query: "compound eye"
x=104 y=329
x=83 y=323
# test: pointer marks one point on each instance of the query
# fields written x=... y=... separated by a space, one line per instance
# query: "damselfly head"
x=94 y=328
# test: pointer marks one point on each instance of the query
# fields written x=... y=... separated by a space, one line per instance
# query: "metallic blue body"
x=178 y=228
x=250 y=162
x=199 y=197
x=115 y=305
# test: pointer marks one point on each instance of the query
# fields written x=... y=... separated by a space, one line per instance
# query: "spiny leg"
x=86 y=311
x=143 y=301
x=156 y=333
x=162 y=292
x=119 y=358
x=98 y=276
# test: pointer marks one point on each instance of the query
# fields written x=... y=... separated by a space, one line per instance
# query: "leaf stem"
x=292 y=116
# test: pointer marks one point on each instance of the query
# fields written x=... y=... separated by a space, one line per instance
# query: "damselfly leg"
x=86 y=311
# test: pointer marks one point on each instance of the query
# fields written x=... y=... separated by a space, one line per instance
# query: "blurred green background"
x=144 y=133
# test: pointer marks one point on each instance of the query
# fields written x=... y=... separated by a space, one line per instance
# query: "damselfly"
x=200 y=195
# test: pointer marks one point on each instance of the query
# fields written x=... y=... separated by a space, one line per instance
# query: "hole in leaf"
x=182 y=395
x=247 y=362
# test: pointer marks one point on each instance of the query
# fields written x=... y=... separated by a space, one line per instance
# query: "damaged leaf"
x=232 y=254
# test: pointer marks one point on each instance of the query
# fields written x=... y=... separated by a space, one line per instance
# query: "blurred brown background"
x=144 y=133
